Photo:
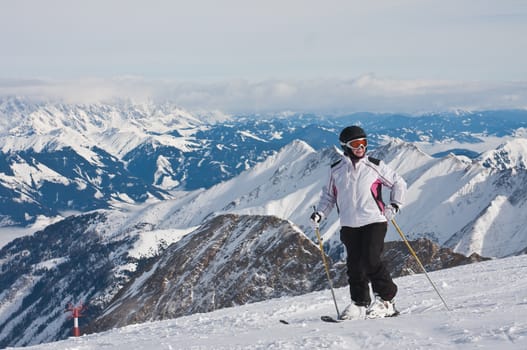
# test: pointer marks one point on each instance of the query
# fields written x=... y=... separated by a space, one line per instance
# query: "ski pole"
x=326 y=267
x=418 y=261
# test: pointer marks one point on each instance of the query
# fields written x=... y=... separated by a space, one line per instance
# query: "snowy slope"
x=283 y=185
x=500 y=228
x=509 y=155
x=470 y=205
x=488 y=302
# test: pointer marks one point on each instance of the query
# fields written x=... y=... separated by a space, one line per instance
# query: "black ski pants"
x=364 y=246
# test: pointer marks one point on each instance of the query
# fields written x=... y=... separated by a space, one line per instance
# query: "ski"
x=324 y=318
x=397 y=313
x=330 y=319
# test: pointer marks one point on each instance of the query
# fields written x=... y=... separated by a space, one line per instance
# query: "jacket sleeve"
x=328 y=198
x=394 y=182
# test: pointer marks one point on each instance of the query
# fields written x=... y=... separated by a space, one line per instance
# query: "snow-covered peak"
x=512 y=154
x=41 y=118
x=406 y=157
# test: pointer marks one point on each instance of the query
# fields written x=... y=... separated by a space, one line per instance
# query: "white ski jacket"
x=356 y=189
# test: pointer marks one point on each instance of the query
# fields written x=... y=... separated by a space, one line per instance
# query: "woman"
x=355 y=187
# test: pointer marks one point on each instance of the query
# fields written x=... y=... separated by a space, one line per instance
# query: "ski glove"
x=316 y=217
x=390 y=211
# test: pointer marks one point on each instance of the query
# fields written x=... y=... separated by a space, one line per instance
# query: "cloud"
x=331 y=96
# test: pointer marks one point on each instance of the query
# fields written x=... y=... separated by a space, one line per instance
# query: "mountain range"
x=153 y=204
x=57 y=158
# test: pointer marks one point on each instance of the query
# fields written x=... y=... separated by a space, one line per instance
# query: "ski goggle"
x=356 y=144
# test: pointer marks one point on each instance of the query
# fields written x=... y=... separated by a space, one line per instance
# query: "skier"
x=355 y=186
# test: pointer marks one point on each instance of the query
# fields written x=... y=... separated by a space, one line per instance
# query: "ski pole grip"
x=314 y=221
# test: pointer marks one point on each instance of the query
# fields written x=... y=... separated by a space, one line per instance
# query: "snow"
x=148 y=242
x=509 y=155
x=251 y=135
x=488 y=303
x=117 y=129
x=496 y=222
x=8 y=234
x=450 y=200
x=32 y=175
x=50 y=264
x=488 y=142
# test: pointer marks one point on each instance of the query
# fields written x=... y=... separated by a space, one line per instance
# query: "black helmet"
x=350 y=133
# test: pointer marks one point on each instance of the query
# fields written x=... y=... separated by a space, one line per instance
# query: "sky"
x=238 y=55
